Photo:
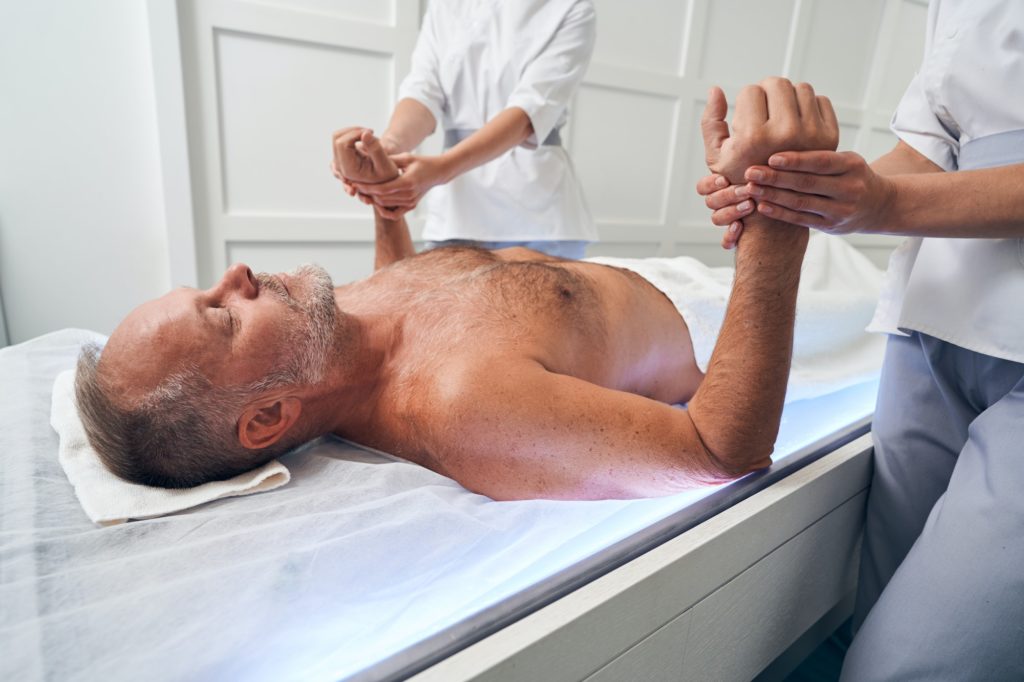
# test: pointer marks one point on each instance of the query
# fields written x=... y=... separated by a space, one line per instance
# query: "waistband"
x=1001 y=149
x=457 y=135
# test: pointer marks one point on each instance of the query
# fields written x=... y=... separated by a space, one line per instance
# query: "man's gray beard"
x=311 y=344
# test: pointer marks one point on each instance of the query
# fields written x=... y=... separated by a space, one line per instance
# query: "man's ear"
x=264 y=423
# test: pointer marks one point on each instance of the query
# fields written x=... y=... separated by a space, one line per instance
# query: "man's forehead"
x=153 y=341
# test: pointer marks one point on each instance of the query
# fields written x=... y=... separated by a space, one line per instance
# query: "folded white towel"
x=108 y=499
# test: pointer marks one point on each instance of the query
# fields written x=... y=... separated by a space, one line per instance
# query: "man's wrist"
x=767 y=235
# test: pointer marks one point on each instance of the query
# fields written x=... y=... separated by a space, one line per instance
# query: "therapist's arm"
x=901 y=193
x=411 y=122
x=506 y=130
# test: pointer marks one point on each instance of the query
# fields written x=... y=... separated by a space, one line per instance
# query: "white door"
x=267 y=81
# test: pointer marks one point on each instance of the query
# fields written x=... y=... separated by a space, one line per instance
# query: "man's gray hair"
x=182 y=434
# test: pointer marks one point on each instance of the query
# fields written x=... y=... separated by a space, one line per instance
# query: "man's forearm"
x=737 y=408
x=392 y=241
x=410 y=124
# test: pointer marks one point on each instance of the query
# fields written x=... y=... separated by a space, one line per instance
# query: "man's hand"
x=359 y=157
x=419 y=174
x=770 y=117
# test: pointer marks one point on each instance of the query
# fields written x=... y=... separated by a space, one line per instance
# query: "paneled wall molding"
x=267 y=81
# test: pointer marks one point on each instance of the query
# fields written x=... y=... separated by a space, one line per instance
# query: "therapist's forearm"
x=507 y=129
x=986 y=204
x=392 y=241
x=410 y=124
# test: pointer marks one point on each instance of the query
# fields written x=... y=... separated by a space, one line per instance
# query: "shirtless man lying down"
x=517 y=374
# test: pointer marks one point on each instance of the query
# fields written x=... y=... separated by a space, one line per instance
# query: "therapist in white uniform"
x=941 y=590
x=498 y=76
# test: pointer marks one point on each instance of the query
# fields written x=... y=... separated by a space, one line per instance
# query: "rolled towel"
x=108 y=499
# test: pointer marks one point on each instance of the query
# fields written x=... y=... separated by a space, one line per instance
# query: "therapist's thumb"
x=403 y=160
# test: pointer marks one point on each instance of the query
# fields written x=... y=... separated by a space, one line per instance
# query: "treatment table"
x=366 y=567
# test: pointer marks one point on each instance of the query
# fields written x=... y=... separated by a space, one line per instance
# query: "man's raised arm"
x=564 y=437
x=738 y=406
x=359 y=156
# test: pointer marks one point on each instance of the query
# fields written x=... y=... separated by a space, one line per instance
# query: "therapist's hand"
x=419 y=174
x=729 y=205
x=835 y=192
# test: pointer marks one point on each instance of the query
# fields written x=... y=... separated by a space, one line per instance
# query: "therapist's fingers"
x=729 y=196
x=796 y=201
x=713 y=127
x=808 y=183
x=787 y=215
x=732 y=235
x=403 y=160
x=822 y=162
x=730 y=214
x=397 y=185
x=711 y=183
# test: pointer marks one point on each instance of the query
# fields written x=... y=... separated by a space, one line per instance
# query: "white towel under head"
x=108 y=499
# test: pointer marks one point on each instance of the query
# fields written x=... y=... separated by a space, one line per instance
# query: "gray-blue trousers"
x=941 y=592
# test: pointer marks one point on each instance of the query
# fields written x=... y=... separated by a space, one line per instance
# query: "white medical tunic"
x=475 y=58
x=963 y=110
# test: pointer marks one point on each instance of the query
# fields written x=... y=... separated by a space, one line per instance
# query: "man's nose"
x=239 y=278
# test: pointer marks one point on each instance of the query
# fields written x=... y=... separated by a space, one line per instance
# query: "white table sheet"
x=360 y=556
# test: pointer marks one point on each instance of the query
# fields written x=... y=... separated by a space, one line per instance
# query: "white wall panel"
x=279 y=102
x=745 y=41
x=905 y=52
x=82 y=237
x=848 y=136
x=287 y=72
x=694 y=168
x=877 y=141
x=838 y=47
x=642 y=34
x=346 y=261
x=377 y=11
x=622 y=152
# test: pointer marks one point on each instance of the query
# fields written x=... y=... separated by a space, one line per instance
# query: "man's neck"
x=360 y=368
